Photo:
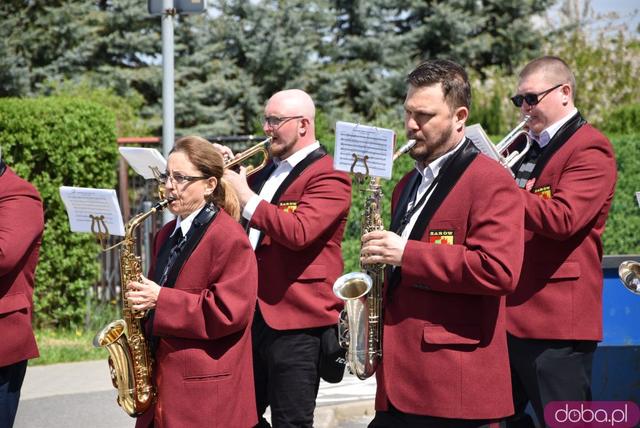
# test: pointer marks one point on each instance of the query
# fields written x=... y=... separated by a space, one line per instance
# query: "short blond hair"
x=553 y=68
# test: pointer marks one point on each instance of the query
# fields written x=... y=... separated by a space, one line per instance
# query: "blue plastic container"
x=616 y=365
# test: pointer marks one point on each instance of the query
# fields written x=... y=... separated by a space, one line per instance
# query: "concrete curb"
x=331 y=416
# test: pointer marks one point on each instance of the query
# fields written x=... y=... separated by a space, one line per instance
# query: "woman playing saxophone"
x=200 y=296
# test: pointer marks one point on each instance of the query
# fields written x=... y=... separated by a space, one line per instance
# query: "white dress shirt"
x=547 y=134
x=185 y=224
x=428 y=174
x=274 y=181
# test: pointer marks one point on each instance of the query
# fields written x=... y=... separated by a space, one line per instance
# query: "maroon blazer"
x=299 y=257
x=21 y=228
x=444 y=341
x=559 y=295
x=204 y=367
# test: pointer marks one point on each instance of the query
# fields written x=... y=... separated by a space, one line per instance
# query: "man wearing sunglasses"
x=296 y=209
x=554 y=318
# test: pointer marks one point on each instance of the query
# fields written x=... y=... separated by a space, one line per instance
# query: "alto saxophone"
x=130 y=360
x=360 y=323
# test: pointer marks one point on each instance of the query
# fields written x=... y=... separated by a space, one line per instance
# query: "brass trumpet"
x=261 y=147
x=508 y=155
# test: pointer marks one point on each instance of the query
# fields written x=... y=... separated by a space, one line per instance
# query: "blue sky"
x=625 y=8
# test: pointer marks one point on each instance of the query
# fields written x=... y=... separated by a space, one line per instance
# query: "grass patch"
x=65 y=347
x=76 y=344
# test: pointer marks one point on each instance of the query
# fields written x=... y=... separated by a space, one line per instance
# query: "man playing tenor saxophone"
x=454 y=250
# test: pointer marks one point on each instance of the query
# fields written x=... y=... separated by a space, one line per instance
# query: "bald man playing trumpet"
x=296 y=209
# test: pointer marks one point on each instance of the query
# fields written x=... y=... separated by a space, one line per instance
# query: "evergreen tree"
x=351 y=56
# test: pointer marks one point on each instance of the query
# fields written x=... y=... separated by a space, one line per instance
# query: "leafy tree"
x=350 y=55
x=111 y=44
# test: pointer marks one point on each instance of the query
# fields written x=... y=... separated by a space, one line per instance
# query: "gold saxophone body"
x=130 y=360
x=360 y=323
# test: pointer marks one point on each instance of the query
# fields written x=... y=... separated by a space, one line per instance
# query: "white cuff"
x=251 y=207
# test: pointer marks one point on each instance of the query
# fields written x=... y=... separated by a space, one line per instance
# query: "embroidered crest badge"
x=288 y=206
x=441 y=237
x=544 y=192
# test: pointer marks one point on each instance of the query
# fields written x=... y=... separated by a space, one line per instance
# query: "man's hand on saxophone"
x=382 y=246
x=142 y=295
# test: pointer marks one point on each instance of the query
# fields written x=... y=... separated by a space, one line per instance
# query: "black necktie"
x=528 y=164
x=178 y=242
x=415 y=206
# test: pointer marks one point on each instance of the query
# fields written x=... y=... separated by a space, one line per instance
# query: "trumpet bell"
x=629 y=272
x=514 y=145
x=260 y=148
x=518 y=147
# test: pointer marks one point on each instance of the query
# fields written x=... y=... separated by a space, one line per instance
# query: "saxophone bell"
x=353 y=324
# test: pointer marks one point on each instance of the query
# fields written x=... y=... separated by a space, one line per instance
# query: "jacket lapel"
x=450 y=177
x=403 y=201
x=295 y=173
x=195 y=234
x=563 y=134
x=451 y=173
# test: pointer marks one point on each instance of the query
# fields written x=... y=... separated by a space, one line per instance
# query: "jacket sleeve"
x=224 y=306
x=326 y=198
x=489 y=259
x=584 y=184
x=21 y=223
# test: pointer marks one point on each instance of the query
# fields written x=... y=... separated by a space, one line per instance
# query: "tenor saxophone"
x=130 y=360
x=360 y=323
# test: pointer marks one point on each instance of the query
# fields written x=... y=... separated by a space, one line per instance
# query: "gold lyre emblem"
x=359 y=176
x=99 y=229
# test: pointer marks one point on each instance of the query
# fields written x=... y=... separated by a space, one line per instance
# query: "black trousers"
x=285 y=366
x=11 y=378
x=394 y=418
x=547 y=370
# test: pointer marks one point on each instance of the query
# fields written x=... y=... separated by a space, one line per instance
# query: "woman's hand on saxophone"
x=382 y=246
x=142 y=295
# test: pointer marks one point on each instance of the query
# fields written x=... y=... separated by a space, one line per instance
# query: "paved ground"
x=78 y=395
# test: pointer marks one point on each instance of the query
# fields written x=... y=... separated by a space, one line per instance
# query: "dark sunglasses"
x=532 y=99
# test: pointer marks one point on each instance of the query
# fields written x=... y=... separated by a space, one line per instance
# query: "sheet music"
x=480 y=139
x=82 y=203
x=143 y=160
x=376 y=143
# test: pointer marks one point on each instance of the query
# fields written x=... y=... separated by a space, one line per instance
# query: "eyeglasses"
x=531 y=98
x=178 y=178
x=275 y=121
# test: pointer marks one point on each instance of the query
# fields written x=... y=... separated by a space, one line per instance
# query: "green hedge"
x=55 y=142
x=622 y=235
